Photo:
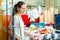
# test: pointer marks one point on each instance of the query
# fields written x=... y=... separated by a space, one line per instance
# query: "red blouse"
x=25 y=19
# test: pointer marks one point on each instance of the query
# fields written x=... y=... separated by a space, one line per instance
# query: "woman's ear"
x=17 y=8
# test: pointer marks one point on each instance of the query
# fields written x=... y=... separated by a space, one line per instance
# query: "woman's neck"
x=19 y=14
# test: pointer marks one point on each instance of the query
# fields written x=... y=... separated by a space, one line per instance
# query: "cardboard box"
x=45 y=16
x=41 y=18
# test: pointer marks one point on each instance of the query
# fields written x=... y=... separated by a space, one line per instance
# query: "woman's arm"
x=13 y=24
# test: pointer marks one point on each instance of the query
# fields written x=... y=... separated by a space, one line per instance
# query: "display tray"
x=57 y=27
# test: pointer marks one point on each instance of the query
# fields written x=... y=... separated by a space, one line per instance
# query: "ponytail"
x=14 y=10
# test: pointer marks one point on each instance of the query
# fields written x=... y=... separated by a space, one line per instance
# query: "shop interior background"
x=7 y=5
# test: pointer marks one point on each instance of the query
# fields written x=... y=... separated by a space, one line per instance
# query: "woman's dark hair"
x=19 y=4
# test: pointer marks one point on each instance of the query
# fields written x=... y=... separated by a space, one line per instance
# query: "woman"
x=19 y=20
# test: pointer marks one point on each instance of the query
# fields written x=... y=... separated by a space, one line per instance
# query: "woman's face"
x=22 y=9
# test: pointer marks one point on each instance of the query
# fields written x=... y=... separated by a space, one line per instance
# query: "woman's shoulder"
x=15 y=17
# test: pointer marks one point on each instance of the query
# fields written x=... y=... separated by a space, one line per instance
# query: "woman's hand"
x=26 y=28
x=18 y=38
x=27 y=34
x=10 y=32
